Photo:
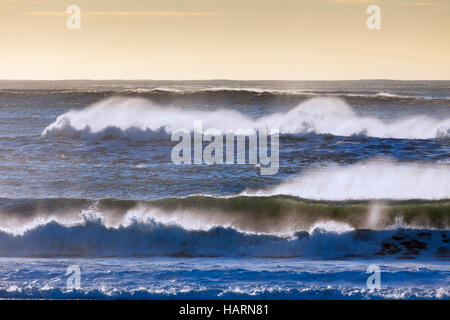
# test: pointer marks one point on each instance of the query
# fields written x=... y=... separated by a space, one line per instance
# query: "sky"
x=225 y=39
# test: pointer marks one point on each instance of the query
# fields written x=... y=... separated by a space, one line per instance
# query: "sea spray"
x=140 y=120
x=382 y=179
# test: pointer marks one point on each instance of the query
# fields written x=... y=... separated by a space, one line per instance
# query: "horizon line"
x=225 y=79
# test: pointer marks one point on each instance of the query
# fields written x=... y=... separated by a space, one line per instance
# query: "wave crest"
x=366 y=181
x=153 y=238
x=140 y=119
x=202 y=226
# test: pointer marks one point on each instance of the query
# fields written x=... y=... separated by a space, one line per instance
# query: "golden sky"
x=225 y=39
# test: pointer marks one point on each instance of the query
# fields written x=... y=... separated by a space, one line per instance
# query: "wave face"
x=270 y=215
x=152 y=238
x=203 y=226
x=140 y=119
x=371 y=180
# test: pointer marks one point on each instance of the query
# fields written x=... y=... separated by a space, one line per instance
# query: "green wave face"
x=255 y=214
x=267 y=214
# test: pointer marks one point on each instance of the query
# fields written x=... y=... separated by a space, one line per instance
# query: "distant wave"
x=252 y=93
x=364 y=181
x=217 y=94
x=139 y=119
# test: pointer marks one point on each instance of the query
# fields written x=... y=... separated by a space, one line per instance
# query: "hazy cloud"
x=125 y=13
x=422 y=4
x=355 y=2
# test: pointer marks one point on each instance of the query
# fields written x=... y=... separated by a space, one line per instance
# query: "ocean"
x=93 y=207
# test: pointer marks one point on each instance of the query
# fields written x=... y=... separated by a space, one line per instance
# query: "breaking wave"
x=268 y=215
x=140 y=119
x=148 y=237
x=240 y=226
x=371 y=180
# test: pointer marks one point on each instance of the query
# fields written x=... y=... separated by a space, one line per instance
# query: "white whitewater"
x=140 y=119
x=381 y=179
